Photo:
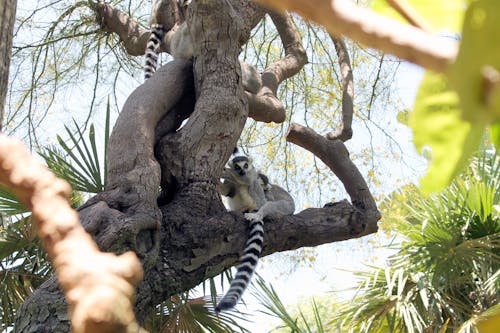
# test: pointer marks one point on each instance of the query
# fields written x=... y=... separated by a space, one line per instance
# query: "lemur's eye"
x=246 y=166
x=237 y=167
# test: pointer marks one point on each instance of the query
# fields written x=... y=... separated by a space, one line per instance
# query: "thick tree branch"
x=94 y=282
x=341 y=17
x=133 y=36
x=344 y=132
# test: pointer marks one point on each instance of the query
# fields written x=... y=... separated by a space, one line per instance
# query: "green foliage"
x=79 y=164
x=436 y=121
x=453 y=110
x=446 y=271
x=303 y=322
x=23 y=266
x=442 y=15
x=479 y=50
x=181 y=314
x=9 y=204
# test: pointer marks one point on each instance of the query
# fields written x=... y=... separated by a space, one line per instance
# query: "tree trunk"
x=186 y=235
x=7 y=19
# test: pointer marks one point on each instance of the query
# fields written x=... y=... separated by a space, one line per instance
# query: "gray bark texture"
x=182 y=233
x=7 y=19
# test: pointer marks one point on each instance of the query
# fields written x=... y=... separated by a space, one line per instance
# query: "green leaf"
x=436 y=122
x=442 y=15
x=478 y=57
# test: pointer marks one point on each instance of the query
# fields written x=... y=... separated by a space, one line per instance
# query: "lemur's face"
x=240 y=166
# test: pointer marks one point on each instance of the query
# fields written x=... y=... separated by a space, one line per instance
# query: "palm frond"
x=9 y=204
x=182 y=314
x=79 y=163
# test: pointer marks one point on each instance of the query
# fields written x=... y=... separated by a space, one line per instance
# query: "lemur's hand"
x=254 y=216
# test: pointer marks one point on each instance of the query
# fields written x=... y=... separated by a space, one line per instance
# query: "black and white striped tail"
x=152 y=50
x=246 y=267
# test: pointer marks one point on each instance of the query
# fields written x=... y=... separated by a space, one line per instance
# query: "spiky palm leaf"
x=300 y=323
x=446 y=269
x=23 y=266
x=182 y=314
x=79 y=163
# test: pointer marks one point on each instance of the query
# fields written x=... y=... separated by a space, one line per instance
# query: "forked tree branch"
x=341 y=17
x=99 y=287
x=265 y=106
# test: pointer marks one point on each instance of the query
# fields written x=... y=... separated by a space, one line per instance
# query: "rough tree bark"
x=187 y=236
x=7 y=18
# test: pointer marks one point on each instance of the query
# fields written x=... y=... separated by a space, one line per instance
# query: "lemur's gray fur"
x=181 y=47
x=160 y=10
x=250 y=192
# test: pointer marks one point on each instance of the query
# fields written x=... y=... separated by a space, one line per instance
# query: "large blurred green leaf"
x=495 y=134
x=479 y=53
x=436 y=122
x=441 y=14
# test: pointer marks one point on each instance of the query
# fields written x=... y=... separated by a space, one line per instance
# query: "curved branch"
x=344 y=132
x=133 y=36
x=94 y=282
x=341 y=17
x=265 y=106
x=335 y=155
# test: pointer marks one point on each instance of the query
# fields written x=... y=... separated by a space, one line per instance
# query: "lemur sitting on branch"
x=250 y=192
x=181 y=46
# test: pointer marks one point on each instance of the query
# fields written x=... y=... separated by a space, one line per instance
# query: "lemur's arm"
x=227 y=187
x=279 y=203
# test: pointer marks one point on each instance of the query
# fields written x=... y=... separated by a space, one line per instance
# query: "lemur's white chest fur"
x=242 y=201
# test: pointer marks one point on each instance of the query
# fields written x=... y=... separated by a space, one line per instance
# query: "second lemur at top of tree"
x=159 y=13
x=250 y=192
x=181 y=45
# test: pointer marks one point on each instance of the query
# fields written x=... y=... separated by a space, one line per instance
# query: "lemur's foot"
x=254 y=216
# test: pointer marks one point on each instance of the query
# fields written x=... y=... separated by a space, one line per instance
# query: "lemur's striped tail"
x=246 y=267
x=153 y=49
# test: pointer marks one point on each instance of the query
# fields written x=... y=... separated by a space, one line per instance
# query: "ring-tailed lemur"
x=180 y=47
x=250 y=192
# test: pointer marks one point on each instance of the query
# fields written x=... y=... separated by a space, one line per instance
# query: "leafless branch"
x=344 y=132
